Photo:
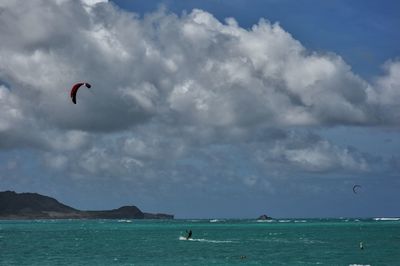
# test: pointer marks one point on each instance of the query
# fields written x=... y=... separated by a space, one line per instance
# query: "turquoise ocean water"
x=215 y=242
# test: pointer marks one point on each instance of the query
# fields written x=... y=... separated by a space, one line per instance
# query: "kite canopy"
x=355 y=188
x=75 y=88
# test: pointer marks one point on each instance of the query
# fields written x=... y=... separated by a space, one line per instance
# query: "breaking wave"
x=387 y=219
x=205 y=240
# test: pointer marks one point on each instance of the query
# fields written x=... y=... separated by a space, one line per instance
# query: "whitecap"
x=387 y=219
x=124 y=221
x=204 y=240
x=274 y=234
x=265 y=221
x=216 y=220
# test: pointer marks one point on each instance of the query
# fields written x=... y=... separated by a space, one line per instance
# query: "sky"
x=203 y=109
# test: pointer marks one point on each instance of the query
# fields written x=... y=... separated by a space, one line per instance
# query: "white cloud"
x=250 y=180
x=69 y=140
x=195 y=68
x=385 y=95
x=165 y=86
x=389 y=85
x=321 y=156
x=300 y=153
x=56 y=162
x=9 y=110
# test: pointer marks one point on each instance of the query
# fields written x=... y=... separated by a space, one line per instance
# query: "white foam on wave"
x=265 y=221
x=204 y=240
x=216 y=220
x=274 y=234
x=300 y=221
x=124 y=221
x=387 y=219
x=359 y=264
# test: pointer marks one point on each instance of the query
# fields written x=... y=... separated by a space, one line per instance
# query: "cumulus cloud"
x=319 y=156
x=9 y=112
x=195 y=68
x=165 y=85
x=385 y=94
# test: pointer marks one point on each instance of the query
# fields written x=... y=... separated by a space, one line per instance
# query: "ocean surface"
x=214 y=242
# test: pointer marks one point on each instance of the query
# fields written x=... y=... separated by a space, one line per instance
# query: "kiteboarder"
x=189 y=234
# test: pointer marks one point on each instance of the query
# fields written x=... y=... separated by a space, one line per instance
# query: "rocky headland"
x=35 y=206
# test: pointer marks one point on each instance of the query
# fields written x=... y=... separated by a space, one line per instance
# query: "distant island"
x=264 y=217
x=35 y=206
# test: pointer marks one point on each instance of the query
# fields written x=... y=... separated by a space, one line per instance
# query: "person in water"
x=361 y=245
x=189 y=234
